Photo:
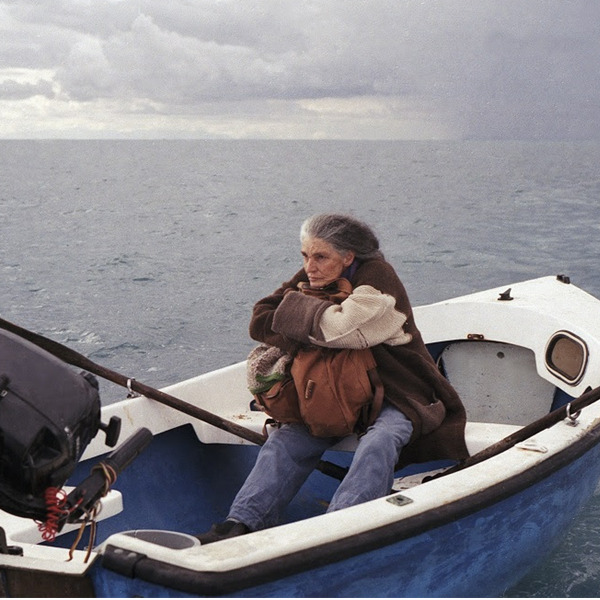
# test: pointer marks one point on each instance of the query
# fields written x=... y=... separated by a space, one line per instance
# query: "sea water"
x=147 y=256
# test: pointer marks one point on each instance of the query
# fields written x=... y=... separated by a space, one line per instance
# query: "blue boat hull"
x=472 y=550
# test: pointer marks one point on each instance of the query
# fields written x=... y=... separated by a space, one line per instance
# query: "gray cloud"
x=13 y=90
x=490 y=68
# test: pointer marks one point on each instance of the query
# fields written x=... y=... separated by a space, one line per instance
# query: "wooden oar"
x=78 y=360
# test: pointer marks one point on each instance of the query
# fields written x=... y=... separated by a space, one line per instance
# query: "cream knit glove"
x=366 y=318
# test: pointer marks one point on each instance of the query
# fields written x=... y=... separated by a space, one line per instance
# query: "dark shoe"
x=222 y=531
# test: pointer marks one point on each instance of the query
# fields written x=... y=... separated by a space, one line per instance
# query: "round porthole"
x=566 y=356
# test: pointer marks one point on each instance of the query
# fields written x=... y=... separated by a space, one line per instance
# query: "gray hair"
x=344 y=233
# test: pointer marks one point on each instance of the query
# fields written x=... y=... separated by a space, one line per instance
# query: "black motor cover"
x=48 y=415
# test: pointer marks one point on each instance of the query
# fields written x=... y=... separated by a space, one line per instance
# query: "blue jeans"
x=291 y=453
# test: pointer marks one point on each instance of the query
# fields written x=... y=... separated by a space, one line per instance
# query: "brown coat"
x=411 y=379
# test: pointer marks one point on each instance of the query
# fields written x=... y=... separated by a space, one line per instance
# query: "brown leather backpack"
x=334 y=392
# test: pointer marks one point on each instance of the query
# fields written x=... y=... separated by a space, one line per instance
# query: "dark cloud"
x=490 y=68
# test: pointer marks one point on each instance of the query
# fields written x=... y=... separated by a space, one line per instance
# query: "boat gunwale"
x=212 y=582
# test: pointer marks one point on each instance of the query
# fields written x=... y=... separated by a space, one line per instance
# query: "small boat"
x=525 y=360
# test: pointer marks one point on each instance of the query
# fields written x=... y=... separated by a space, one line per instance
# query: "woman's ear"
x=349 y=258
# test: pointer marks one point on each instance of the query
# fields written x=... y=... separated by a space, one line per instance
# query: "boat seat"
x=479 y=436
x=24 y=530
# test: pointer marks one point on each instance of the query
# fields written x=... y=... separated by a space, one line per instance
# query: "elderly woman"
x=421 y=416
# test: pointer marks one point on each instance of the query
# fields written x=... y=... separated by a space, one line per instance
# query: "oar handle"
x=129 y=450
x=84 y=497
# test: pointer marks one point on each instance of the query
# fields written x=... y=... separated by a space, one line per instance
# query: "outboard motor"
x=48 y=416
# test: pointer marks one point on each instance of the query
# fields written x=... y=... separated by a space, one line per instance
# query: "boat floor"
x=187 y=479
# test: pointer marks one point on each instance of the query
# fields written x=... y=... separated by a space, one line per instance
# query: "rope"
x=89 y=519
x=56 y=510
x=110 y=476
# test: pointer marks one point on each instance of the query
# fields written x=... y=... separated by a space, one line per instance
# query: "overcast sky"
x=369 y=69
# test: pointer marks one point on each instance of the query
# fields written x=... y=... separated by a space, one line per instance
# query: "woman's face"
x=322 y=263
